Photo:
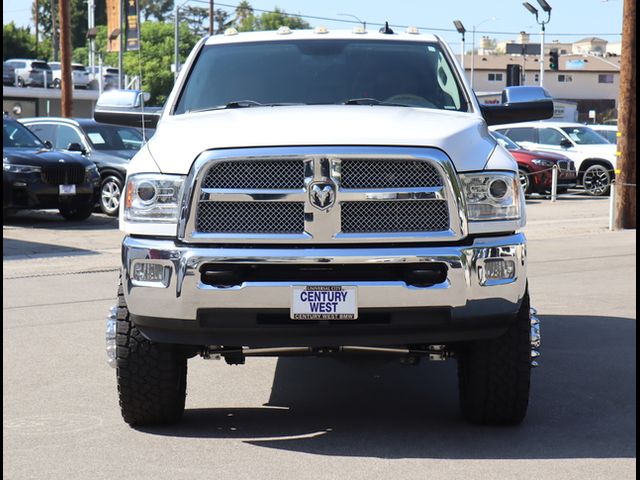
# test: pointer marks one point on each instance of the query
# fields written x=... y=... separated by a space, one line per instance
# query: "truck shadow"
x=13 y=249
x=52 y=220
x=582 y=405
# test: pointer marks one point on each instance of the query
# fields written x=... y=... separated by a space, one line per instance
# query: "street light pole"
x=473 y=47
x=547 y=9
x=461 y=30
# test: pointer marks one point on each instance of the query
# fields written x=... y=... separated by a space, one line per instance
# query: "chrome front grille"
x=323 y=195
x=368 y=173
x=250 y=217
x=256 y=174
x=397 y=216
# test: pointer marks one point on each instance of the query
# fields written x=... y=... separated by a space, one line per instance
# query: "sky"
x=571 y=20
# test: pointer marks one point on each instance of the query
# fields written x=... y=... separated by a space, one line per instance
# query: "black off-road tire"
x=76 y=212
x=494 y=375
x=152 y=377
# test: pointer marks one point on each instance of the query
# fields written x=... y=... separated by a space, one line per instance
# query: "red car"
x=536 y=167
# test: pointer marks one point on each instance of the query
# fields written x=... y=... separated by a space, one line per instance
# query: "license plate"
x=67 y=190
x=324 y=303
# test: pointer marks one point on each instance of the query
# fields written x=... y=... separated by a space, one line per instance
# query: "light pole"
x=461 y=30
x=473 y=46
x=176 y=41
x=364 y=24
x=547 y=8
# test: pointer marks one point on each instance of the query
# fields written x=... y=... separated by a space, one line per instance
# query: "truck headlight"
x=153 y=198
x=492 y=196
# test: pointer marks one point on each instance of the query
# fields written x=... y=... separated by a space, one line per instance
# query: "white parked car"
x=31 y=73
x=594 y=156
x=109 y=77
x=610 y=132
x=79 y=75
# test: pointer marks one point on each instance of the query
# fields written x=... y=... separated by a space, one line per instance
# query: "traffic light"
x=553 y=60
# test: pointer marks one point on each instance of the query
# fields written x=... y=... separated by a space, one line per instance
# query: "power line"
x=433 y=29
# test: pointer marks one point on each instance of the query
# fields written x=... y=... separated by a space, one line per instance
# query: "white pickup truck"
x=323 y=193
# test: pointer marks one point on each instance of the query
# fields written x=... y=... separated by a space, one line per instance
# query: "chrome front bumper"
x=182 y=293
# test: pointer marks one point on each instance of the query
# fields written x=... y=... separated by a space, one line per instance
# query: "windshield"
x=16 y=135
x=416 y=74
x=584 y=136
x=107 y=137
x=40 y=65
x=506 y=142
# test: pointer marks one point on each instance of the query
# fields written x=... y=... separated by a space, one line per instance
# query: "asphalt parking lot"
x=318 y=418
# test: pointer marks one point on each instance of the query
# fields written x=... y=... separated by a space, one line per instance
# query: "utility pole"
x=91 y=20
x=37 y=21
x=54 y=30
x=626 y=176
x=121 y=51
x=65 y=44
x=211 y=12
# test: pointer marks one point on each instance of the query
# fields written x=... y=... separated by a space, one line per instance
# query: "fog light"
x=150 y=274
x=496 y=269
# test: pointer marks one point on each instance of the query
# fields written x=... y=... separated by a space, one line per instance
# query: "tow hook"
x=534 y=336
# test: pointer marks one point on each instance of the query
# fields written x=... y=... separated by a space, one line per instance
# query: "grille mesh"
x=396 y=216
x=366 y=173
x=64 y=174
x=250 y=217
x=256 y=174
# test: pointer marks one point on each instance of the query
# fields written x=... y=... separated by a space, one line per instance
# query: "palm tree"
x=243 y=11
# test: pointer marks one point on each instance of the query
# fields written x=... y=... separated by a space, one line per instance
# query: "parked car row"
x=22 y=72
x=74 y=165
x=594 y=157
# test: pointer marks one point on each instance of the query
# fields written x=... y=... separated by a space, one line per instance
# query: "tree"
x=270 y=21
x=221 y=17
x=79 y=20
x=154 y=59
x=159 y=9
x=197 y=20
x=17 y=42
x=243 y=11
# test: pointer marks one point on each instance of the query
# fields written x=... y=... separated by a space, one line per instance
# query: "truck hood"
x=180 y=139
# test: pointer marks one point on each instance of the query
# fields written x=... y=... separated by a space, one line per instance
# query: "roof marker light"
x=359 y=30
x=284 y=30
x=230 y=32
x=321 y=30
x=413 y=30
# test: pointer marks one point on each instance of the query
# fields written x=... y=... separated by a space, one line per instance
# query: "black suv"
x=110 y=147
x=36 y=177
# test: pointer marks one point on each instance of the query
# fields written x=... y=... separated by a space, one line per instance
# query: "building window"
x=536 y=78
x=605 y=78
x=495 y=77
x=565 y=78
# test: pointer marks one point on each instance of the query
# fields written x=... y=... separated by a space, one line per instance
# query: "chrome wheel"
x=597 y=180
x=525 y=181
x=110 y=195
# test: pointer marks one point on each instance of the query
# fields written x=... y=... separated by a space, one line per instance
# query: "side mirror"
x=564 y=143
x=519 y=104
x=127 y=108
x=48 y=144
x=76 y=147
